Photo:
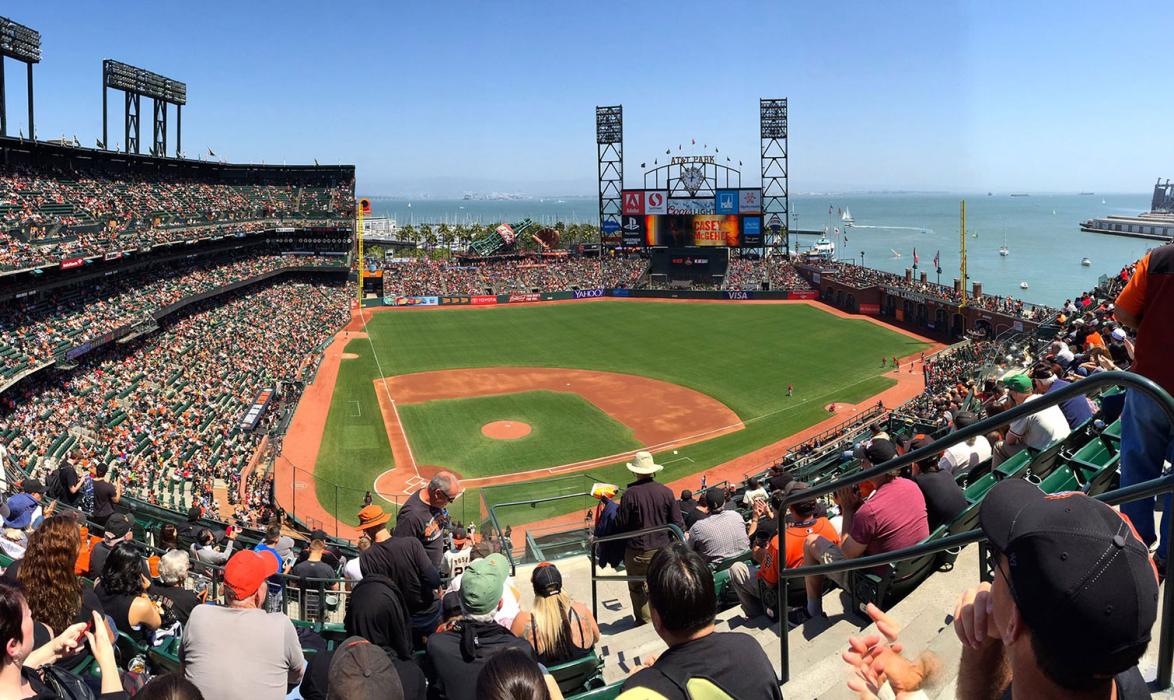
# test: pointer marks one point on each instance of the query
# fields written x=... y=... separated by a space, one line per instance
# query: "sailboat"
x=1003 y=249
x=896 y=254
x=846 y=217
x=1102 y=201
x=1085 y=262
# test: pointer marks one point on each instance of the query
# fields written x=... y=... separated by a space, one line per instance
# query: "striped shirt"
x=719 y=536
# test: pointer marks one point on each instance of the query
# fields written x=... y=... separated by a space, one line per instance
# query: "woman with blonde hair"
x=558 y=628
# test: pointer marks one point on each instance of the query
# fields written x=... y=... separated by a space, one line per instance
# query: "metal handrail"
x=1053 y=398
x=593 y=541
x=532 y=502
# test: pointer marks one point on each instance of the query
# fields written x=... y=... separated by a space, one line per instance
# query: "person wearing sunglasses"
x=424 y=516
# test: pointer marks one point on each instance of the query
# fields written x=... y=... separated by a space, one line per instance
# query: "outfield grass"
x=744 y=355
x=565 y=428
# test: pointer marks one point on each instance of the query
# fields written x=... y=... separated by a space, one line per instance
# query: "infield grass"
x=565 y=428
x=744 y=355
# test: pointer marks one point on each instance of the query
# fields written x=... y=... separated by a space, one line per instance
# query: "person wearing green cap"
x=1037 y=431
x=455 y=657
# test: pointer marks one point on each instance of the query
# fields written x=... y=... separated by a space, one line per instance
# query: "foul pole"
x=963 y=268
x=363 y=208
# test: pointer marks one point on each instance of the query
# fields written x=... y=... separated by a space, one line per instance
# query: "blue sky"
x=444 y=97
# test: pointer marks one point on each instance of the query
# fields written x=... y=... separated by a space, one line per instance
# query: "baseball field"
x=514 y=396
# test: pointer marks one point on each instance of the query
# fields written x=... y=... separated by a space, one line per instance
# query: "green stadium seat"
x=975 y=491
x=1062 y=479
x=608 y=692
x=579 y=675
x=898 y=580
x=1015 y=465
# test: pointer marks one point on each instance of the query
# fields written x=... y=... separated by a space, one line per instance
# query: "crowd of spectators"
x=48 y=216
x=426 y=277
x=31 y=334
x=860 y=276
x=164 y=411
x=744 y=273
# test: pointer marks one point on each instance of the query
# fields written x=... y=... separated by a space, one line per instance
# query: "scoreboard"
x=730 y=218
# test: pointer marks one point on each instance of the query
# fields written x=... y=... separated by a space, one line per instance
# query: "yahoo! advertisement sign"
x=587 y=293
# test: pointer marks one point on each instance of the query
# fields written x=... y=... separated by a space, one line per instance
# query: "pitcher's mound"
x=505 y=430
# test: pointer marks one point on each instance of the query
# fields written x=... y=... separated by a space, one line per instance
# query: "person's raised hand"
x=973 y=619
x=100 y=645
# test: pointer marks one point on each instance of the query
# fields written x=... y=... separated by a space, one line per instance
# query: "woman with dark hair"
x=20 y=662
x=512 y=675
x=169 y=686
x=122 y=589
x=376 y=612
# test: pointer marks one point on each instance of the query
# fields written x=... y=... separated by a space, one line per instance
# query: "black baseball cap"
x=1081 y=577
x=880 y=451
x=118 y=525
x=546 y=579
x=715 y=497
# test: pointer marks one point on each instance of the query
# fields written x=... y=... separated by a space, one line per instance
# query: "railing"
x=1137 y=491
x=843 y=428
x=595 y=541
x=495 y=524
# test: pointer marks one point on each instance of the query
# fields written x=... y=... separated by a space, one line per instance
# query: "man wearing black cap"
x=1068 y=614
x=722 y=534
x=891 y=517
x=118 y=529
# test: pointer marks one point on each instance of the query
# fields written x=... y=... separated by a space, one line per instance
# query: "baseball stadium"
x=242 y=388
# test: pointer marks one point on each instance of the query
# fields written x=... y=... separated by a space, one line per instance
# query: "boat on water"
x=896 y=253
x=846 y=217
x=824 y=249
x=1087 y=194
x=1003 y=249
x=1102 y=201
x=1157 y=224
x=1023 y=285
x=1020 y=194
x=1085 y=262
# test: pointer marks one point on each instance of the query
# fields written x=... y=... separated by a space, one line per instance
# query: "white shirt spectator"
x=350 y=570
x=963 y=457
x=1042 y=428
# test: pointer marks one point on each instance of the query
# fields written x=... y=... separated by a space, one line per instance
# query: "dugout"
x=686 y=266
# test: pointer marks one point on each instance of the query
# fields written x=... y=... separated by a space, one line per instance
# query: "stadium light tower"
x=609 y=140
x=136 y=83
x=22 y=44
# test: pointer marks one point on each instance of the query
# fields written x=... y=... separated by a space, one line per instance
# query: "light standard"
x=862 y=258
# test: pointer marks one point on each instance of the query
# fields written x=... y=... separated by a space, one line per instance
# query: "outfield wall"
x=571 y=294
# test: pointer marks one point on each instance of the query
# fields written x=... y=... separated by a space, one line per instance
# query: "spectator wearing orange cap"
x=404 y=561
x=239 y=651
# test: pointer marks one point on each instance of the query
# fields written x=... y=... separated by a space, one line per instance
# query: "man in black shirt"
x=689 y=512
x=170 y=594
x=944 y=498
x=423 y=515
x=106 y=495
x=683 y=603
x=118 y=530
x=328 y=558
x=69 y=484
x=645 y=504
x=778 y=478
x=404 y=561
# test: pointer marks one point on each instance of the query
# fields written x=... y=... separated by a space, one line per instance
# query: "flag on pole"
x=937 y=261
x=915 y=259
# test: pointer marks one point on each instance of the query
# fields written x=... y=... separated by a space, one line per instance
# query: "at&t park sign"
x=685 y=160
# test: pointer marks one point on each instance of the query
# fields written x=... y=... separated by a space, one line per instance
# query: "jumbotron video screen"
x=730 y=218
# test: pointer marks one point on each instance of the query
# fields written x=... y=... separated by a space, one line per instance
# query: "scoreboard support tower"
x=609 y=141
x=776 y=195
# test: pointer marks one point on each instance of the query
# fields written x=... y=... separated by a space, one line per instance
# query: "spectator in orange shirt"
x=1147 y=438
x=802 y=521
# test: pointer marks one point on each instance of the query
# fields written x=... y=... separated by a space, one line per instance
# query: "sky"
x=442 y=98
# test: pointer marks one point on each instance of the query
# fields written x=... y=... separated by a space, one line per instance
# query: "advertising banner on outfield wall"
x=556 y=296
x=411 y=301
x=738 y=295
x=454 y=301
x=72 y=263
x=483 y=300
x=522 y=298
x=587 y=293
x=621 y=293
x=808 y=294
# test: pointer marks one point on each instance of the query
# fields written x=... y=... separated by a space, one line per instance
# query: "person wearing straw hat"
x=645 y=504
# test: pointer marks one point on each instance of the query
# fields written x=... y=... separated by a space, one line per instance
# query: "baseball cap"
x=546 y=579
x=1118 y=334
x=1019 y=383
x=482 y=584
x=880 y=451
x=247 y=570
x=459 y=534
x=32 y=486
x=715 y=497
x=1081 y=577
x=919 y=441
x=359 y=670
x=118 y=525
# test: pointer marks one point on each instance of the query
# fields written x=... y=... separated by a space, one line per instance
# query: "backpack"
x=53 y=484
